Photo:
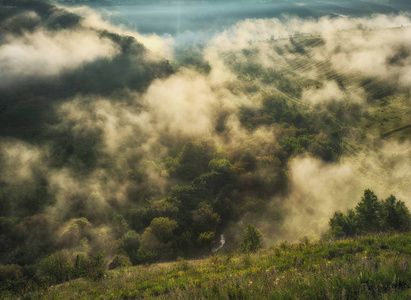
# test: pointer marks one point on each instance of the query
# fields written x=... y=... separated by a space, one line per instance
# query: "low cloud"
x=352 y=47
x=330 y=91
x=382 y=53
x=20 y=162
x=47 y=53
x=318 y=189
x=183 y=103
x=162 y=46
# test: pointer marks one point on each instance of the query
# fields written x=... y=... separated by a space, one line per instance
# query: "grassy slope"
x=392 y=112
x=370 y=267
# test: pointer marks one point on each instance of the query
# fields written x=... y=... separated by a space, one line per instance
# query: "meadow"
x=367 y=267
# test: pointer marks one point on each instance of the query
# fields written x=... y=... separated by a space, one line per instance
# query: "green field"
x=368 y=267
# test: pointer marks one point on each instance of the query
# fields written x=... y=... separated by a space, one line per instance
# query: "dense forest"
x=120 y=149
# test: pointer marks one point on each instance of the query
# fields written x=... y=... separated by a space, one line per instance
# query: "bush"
x=120 y=261
x=344 y=225
x=130 y=245
x=81 y=265
x=252 y=240
x=11 y=279
x=207 y=238
x=96 y=268
x=182 y=264
x=57 y=268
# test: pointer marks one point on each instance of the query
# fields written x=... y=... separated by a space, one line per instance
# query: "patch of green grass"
x=369 y=267
x=389 y=113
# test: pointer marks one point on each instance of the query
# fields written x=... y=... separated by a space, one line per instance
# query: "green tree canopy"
x=252 y=239
x=369 y=212
x=371 y=215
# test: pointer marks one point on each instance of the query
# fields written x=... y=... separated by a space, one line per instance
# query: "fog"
x=47 y=54
x=93 y=124
x=178 y=18
x=333 y=187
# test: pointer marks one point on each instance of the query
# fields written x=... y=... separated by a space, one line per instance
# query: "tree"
x=150 y=241
x=11 y=279
x=120 y=261
x=166 y=207
x=81 y=264
x=159 y=233
x=371 y=215
x=57 y=267
x=395 y=215
x=207 y=238
x=194 y=158
x=368 y=212
x=37 y=232
x=163 y=228
x=344 y=225
x=248 y=160
x=74 y=231
x=252 y=239
x=205 y=219
x=130 y=245
x=119 y=226
x=217 y=182
x=96 y=267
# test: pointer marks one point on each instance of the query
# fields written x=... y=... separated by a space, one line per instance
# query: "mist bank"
x=111 y=147
x=182 y=18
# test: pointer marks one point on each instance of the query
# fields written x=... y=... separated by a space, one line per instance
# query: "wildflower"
x=250 y=283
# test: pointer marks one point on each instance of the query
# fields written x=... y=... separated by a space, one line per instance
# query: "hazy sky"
x=206 y=18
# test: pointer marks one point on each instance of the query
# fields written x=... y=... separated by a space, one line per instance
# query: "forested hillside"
x=120 y=148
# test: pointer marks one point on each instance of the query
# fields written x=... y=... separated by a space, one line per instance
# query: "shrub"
x=207 y=238
x=11 y=278
x=120 y=261
x=57 y=267
x=252 y=240
x=344 y=225
x=130 y=245
x=96 y=268
x=81 y=265
x=182 y=264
